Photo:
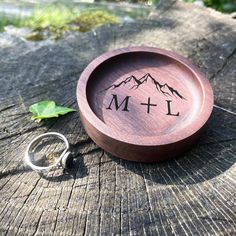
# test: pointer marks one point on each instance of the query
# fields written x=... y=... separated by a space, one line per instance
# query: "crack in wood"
x=223 y=65
x=225 y=110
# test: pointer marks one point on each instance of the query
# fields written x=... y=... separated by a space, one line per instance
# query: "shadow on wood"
x=207 y=160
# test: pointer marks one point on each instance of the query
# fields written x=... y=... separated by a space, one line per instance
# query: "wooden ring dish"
x=143 y=104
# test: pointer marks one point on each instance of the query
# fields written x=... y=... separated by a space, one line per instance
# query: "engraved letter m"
x=117 y=105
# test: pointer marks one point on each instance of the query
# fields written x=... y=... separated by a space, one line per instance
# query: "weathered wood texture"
x=104 y=195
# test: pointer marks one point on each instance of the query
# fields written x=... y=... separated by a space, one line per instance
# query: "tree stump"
x=104 y=195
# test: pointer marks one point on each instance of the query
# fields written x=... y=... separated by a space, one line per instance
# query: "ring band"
x=62 y=160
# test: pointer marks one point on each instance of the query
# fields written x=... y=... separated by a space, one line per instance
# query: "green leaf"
x=47 y=109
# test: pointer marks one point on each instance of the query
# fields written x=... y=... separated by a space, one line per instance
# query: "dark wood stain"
x=144 y=104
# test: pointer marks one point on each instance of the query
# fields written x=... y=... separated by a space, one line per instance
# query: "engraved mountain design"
x=165 y=89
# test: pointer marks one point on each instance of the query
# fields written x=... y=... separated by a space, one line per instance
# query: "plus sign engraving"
x=148 y=104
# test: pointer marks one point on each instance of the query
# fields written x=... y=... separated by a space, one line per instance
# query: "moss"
x=46 y=16
x=56 y=21
x=53 y=21
x=36 y=35
x=92 y=19
x=4 y=21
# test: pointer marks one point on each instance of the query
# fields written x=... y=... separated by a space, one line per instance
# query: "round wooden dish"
x=143 y=104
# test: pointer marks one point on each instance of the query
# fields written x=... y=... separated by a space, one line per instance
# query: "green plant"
x=222 y=5
x=50 y=16
x=91 y=19
x=55 y=20
x=4 y=21
x=47 y=109
x=219 y=5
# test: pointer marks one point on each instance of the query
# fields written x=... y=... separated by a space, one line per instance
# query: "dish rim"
x=184 y=133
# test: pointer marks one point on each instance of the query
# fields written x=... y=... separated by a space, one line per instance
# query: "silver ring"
x=62 y=160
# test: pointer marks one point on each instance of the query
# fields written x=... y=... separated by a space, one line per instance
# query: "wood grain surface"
x=104 y=195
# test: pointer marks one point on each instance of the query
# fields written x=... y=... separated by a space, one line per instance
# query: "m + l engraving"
x=123 y=105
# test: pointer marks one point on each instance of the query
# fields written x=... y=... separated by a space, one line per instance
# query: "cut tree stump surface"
x=104 y=195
